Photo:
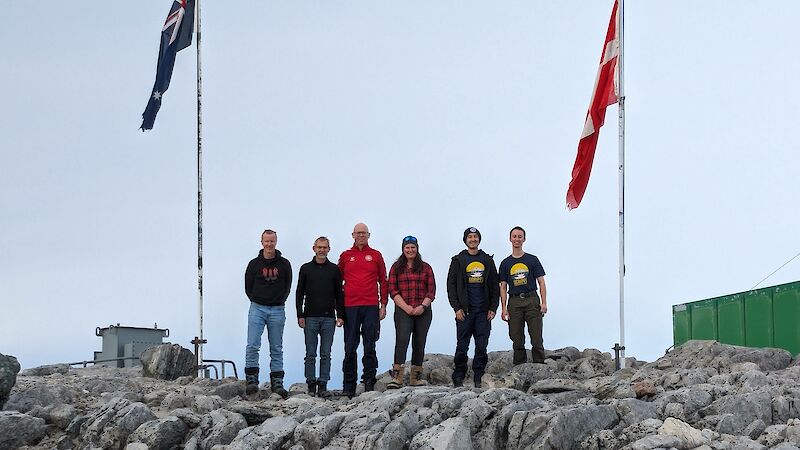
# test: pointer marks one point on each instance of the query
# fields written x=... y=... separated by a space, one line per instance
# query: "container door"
x=704 y=319
x=786 y=309
x=730 y=310
x=681 y=324
x=758 y=318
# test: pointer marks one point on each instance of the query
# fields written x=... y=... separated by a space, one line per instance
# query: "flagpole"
x=199 y=188
x=621 y=97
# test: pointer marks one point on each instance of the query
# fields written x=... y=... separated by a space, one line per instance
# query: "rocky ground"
x=703 y=395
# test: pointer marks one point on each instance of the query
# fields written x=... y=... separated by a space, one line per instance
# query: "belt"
x=526 y=295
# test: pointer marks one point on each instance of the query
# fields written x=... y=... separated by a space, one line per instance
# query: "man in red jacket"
x=365 y=298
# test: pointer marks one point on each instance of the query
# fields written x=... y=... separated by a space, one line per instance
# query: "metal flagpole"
x=621 y=96
x=200 y=340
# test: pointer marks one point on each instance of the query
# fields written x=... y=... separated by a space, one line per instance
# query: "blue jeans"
x=274 y=318
x=322 y=327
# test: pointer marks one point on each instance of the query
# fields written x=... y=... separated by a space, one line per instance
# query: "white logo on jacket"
x=368 y=257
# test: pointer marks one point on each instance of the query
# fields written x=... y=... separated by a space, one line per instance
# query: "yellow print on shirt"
x=519 y=273
x=475 y=272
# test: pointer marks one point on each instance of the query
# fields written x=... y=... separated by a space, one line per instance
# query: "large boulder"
x=111 y=424
x=271 y=434
x=167 y=362
x=17 y=429
x=218 y=427
x=160 y=434
x=722 y=357
x=9 y=368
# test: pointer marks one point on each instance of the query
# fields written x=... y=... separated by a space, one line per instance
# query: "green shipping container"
x=767 y=317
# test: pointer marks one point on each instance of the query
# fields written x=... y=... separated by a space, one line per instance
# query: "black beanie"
x=471 y=230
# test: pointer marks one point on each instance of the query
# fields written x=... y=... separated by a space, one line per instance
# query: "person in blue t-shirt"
x=473 y=291
x=519 y=275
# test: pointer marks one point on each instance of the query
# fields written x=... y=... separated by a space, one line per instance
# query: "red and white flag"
x=606 y=92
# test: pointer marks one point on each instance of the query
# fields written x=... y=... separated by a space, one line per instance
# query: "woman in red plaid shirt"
x=412 y=287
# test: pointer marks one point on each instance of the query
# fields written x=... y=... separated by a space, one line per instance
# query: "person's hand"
x=504 y=315
x=418 y=310
x=490 y=315
x=544 y=308
x=382 y=312
x=408 y=310
x=302 y=322
x=460 y=315
x=339 y=322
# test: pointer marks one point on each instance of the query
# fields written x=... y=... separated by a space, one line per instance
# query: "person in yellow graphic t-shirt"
x=519 y=275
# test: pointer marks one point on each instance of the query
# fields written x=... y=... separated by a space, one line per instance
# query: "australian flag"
x=175 y=36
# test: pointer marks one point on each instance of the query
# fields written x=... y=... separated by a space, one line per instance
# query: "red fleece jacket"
x=364 y=274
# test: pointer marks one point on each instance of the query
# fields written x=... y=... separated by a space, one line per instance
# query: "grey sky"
x=417 y=118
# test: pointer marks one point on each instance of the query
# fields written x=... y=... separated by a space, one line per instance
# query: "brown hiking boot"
x=416 y=378
x=397 y=377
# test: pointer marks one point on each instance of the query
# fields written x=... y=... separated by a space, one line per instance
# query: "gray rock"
x=785 y=446
x=316 y=432
x=272 y=434
x=562 y=429
x=703 y=354
x=43 y=371
x=58 y=415
x=689 y=437
x=738 y=411
x=18 y=429
x=175 y=400
x=253 y=412
x=218 y=427
x=189 y=417
x=449 y=406
x=205 y=404
x=167 y=362
x=452 y=434
x=785 y=408
x=755 y=429
x=9 y=368
x=474 y=412
x=111 y=425
x=230 y=390
x=632 y=411
x=25 y=399
x=773 y=435
x=160 y=434
x=137 y=446
x=657 y=441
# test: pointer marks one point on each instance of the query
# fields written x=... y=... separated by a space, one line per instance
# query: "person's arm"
x=494 y=289
x=383 y=288
x=394 y=291
x=339 y=294
x=503 y=300
x=300 y=294
x=430 y=282
x=288 y=281
x=452 y=288
x=249 y=280
x=542 y=293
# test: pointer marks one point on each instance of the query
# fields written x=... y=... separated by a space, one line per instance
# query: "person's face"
x=473 y=241
x=410 y=251
x=269 y=241
x=361 y=235
x=321 y=249
x=517 y=238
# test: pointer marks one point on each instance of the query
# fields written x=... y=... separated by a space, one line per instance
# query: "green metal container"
x=767 y=317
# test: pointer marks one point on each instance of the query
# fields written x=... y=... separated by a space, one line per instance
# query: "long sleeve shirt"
x=319 y=290
x=364 y=275
x=414 y=287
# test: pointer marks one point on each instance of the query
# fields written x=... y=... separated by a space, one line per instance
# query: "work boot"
x=251 y=378
x=369 y=384
x=415 y=378
x=397 y=377
x=312 y=388
x=276 y=384
x=458 y=382
x=322 y=390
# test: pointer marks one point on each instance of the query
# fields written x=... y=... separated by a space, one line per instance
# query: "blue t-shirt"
x=476 y=280
x=521 y=273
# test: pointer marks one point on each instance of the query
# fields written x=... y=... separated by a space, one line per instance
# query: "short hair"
x=268 y=231
x=517 y=228
x=323 y=238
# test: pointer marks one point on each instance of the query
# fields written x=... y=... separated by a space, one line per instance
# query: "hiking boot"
x=415 y=378
x=276 y=384
x=322 y=390
x=251 y=378
x=458 y=382
x=397 y=377
x=312 y=388
x=369 y=384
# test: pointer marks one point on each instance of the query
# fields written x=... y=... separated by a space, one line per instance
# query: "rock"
x=230 y=390
x=702 y=354
x=452 y=434
x=563 y=429
x=644 y=388
x=189 y=417
x=9 y=367
x=272 y=434
x=474 y=412
x=18 y=429
x=657 y=441
x=27 y=398
x=689 y=437
x=167 y=362
x=738 y=411
x=254 y=413
x=160 y=434
x=205 y=404
x=316 y=432
x=218 y=427
x=42 y=371
x=58 y=415
x=111 y=425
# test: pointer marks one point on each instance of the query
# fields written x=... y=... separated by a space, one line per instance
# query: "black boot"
x=322 y=390
x=276 y=384
x=312 y=388
x=369 y=384
x=251 y=378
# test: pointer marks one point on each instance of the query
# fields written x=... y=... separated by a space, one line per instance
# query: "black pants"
x=521 y=312
x=475 y=325
x=407 y=326
x=360 y=321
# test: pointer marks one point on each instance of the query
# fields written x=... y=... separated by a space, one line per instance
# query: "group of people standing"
x=354 y=294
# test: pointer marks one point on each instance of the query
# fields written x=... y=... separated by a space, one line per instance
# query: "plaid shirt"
x=413 y=287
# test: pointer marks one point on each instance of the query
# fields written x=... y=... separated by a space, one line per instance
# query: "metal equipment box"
x=127 y=342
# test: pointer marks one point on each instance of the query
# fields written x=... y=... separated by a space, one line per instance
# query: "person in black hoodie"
x=320 y=309
x=267 y=282
x=474 y=294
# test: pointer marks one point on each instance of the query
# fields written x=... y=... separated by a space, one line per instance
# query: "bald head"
x=360 y=235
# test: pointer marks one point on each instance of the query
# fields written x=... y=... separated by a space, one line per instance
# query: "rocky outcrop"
x=9 y=368
x=702 y=396
x=167 y=362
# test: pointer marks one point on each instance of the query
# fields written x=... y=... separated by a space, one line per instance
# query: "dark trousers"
x=475 y=325
x=407 y=326
x=521 y=312
x=319 y=330
x=360 y=321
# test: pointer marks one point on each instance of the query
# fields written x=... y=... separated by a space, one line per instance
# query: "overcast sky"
x=418 y=118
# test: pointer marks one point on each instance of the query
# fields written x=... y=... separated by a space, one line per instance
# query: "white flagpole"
x=621 y=96
x=199 y=187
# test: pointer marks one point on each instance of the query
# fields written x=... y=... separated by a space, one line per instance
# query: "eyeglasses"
x=409 y=239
